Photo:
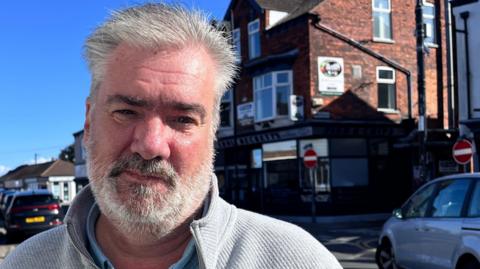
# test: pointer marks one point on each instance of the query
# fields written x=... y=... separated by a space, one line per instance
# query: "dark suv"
x=31 y=212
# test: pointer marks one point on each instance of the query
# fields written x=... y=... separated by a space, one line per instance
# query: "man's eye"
x=186 y=120
x=124 y=114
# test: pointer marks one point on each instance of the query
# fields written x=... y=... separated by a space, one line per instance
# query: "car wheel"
x=472 y=264
x=386 y=257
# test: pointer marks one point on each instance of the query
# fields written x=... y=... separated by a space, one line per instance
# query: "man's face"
x=149 y=139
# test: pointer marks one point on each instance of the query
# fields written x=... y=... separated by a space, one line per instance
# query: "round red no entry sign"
x=310 y=158
x=462 y=151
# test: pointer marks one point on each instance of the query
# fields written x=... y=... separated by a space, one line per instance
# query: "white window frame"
x=237 y=44
x=382 y=10
x=430 y=17
x=251 y=49
x=228 y=100
x=274 y=86
x=387 y=81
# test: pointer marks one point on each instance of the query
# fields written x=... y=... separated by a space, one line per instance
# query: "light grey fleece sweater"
x=226 y=237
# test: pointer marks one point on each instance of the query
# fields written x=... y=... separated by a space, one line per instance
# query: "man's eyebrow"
x=190 y=107
x=129 y=100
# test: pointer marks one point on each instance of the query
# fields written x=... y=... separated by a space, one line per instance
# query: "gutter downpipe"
x=464 y=16
x=452 y=121
x=372 y=53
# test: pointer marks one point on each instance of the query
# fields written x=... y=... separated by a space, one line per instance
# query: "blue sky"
x=43 y=77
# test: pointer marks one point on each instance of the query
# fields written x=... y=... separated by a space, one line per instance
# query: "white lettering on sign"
x=309 y=158
x=463 y=151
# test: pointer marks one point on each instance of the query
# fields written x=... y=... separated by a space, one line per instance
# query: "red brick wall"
x=353 y=19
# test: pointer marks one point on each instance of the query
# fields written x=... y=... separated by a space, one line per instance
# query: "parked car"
x=31 y=212
x=5 y=200
x=438 y=227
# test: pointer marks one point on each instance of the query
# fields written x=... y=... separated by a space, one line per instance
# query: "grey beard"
x=146 y=213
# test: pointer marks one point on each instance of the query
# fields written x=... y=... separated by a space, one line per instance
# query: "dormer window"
x=254 y=39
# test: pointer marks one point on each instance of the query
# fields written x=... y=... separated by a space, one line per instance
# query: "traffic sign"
x=462 y=151
x=310 y=158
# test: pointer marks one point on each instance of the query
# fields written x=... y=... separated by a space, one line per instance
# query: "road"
x=353 y=244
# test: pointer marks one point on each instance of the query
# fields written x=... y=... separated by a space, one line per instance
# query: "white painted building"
x=55 y=176
x=466 y=19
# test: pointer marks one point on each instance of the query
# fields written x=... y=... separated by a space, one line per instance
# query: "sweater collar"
x=209 y=231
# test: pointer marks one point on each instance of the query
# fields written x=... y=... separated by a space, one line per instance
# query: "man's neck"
x=133 y=251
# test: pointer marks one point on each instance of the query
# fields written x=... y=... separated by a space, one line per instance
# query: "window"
x=237 y=44
x=474 y=209
x=254 y=39
x=429 y=21
x=280 y=159
x=449 y=200
x=418 y=204
x=382 y=20
x=271 y=94
x=226 y=112
x=386 y=88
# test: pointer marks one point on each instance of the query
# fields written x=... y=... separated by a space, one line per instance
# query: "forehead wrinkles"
x=165 y=76
x=166 y=67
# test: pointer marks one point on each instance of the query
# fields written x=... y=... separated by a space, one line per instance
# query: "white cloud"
x=40 y=160
x=3 y=170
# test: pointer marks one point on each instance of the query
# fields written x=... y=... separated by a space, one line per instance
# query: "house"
x=56 y=176
x=81 y=178
x=338 y=77
x=466 y=19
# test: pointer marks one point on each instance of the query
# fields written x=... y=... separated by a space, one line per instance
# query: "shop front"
x=265 y=171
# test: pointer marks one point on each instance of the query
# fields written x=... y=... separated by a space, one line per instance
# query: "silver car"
x=438 y=227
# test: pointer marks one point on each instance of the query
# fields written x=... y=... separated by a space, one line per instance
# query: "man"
x=158 y=74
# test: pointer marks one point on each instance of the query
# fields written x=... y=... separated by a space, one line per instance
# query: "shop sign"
x=319 y=145
x=264 y=137
x=331 y=77
x=245 y=114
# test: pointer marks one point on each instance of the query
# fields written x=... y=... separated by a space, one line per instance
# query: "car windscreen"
x=34 y=200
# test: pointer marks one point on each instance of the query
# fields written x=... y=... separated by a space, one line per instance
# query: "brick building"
x=338 y=77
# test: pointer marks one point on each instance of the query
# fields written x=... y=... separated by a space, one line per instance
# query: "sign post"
x=462 y=152
x=310 y=162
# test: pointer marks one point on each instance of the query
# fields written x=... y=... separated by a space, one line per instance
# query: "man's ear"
x=86 y=125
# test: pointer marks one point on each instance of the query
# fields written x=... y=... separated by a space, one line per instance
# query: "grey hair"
x=158 y=25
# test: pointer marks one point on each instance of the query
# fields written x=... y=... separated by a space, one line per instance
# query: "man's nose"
x=151 y=139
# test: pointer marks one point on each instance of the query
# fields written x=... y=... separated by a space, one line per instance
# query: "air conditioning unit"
x=296 y=107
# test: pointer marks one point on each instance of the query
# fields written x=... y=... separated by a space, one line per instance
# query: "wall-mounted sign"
x=245 y=114
x=319 y=145
x=330 y=75
x=296 y=107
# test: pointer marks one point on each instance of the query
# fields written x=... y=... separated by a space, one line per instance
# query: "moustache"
x=157 y=168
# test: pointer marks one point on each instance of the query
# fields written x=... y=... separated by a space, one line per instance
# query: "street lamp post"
x=422 y=121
